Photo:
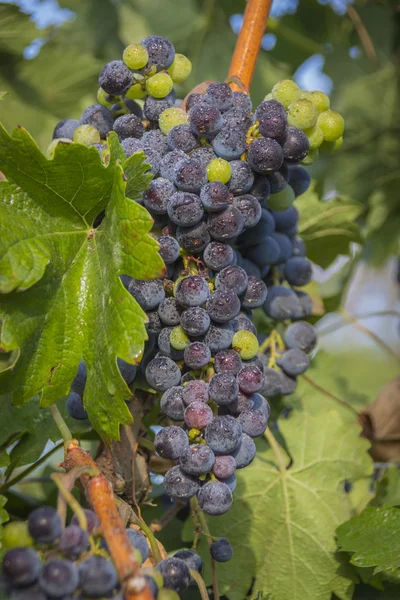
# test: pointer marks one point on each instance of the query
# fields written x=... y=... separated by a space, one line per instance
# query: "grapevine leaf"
x=138 y=180
x=327 y=226
x=25 y=430
x=282 y=523
x=2 y=95
x=17 y=30
x=3 y=515
x=388 y=489
x=62 y=298
x=373 y=537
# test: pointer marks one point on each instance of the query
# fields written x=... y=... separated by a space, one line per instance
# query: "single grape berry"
x=223 y=305
x=171 y=442
x=197 y=355
x=172 y=404
x=97 y=576
x=127 y=126
x=162 y=373
x=138 y=541
x=250 y=209
x=254 y=422
x=192 y=559
x=179 y=484
x=245 y=452
x=215 y=498
x=228 y=361
x=75 y=407
x=219 y=95
x=192 y=291
x=242 y=178
x=301 y=335
x=195 y=238
x=115 y=78
x=190 y=175
x=195 y=390
x=218 y=255
x=221 y=550
x=175 y=572
x=182 y=138
x=169 y=248
x=59 y=578
x=21 y=566
x=296 y=145
x=226 y=224
x=265 y=154
x=44 y=525
x=184 y=209
x=256 y=293
x=73 y=542
x=160 y=51
x=224 y=466
x=65 y=129
x=232 y=278
x=195 y=321
x=294 y=362
x=149 y=293
x=198 y=415
x=197 y=459
x=250 y=379
x=205 y=120
x=223 y=388
x=92 y=520
x=298 y=271
x=215 y=196
x=219 y=336
x=223 y=434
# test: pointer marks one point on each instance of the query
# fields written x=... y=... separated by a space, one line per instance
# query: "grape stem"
x=200 y=584
x=269 y=436
x=249 y=42
x=65 y=483
x=61 y=424
x=100 y=496
x=199 y=518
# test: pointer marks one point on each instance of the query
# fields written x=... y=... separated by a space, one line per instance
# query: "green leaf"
x=373 y=537
x=62 y=298
x=282 y=523
x=327 y=226
x=17 y=29
x=388 y=489
x=3 y=95
x=3 y=515
x=138 y=180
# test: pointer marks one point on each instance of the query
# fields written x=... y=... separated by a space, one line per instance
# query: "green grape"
x=16 y=534
x=327 y=147
x=87 y=135
x=246 y=344
x=53 y=145
x=315 y=137
x=282 y=200
x=135 y=56
x=159 y=85
x=135 y=92
x=331 y=124
x=302 y=114
x=178 y=338
x=319 y=99
x=167 y=594
x=171 y=117
x=219 y=170
x=311 y=157
x=180 y=68
x=285 y=92
x=102 y=98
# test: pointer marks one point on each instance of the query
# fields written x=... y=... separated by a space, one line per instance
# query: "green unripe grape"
x=166 y=594
x=178 y=338
x=219 y=170
x=327 y=147
x=331 y=124
x=282 y=200
x=285 y=92
x=159 y=85
x=53 y=145
x=246 y=344
x=135 y=92
x=302 y=114
x=319 y=100
x=171 y=117
x=87 y=135
x=315 y=137
x=135 y=56
x=311 y=157
x=102 y=98
x=180 y=68
x=15 y=535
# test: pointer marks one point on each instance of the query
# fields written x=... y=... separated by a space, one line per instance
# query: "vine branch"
x=249 y=42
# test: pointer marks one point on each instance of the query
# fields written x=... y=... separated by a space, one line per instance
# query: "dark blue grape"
x=153 y=107
x=175 y=572
x=155 y=140
x=195 y=390
x=171 y=442
x=219 y=336
x=265 y=154
x=197 y=355
x=44 y=525
x=92 y=520
x=138 y=541
x=190 y=175
x=285 y=219
x=195 y=238
x=228 y=361
x=232 y=278
x=205 y=120
x=185 y=209
x=98 y=576
x=250 y=379
x=242 y=321
x=224 y=466
x=221 y=550
x=127 y=370
x=169 y=312
x=296 y=145
x=192 y=291
x=242 y=101
x=229 y=144
x=204 y=155
x=301 y=335
x=217 y=255
x=194 y=99
x=73 y=542
x=160 y=50
x=215 y=196
x=192 y=559
x=250 y=209
x=115 y=78
x=197 y=459
x=272 y=124
x=75 y=407
x=78 y=385
x=261 y=188
x=223 y=305
x=226 y=225
x=182 y=138
x=236 y=119
x=299 y=247
x=254 y=422
x=279 y=179
x=169 y=248
x=131 y=146
x=162 y=373
x=285 y=246
x=270 y=107
x=195 y=321
x=306 y=305
x=59 y=578
x=281 y=303
x=245 y=453
x=272 y=382
x=21 y=566
x=219 y=95
x=298 y=271
x=128 y=126
x=256 y=293
x=294 y=362
x=266 y=253
x=179 y=484
x=242 y=178
x=223 y=434
x=299 y=179
x=223 y=388
x=172 y=404
x=65 y=129
x=215 y=498
x=289 y=384
x=148 y=293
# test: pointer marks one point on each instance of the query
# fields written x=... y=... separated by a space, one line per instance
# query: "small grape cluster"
x=225 y=178
x=45 y=561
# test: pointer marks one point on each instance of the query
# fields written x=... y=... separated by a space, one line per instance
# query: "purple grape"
x=172 y=404
x=169 y=248
x=228 y=361
x=226 y=225
x=21 y=566
x=160 y=50
x=101 y=118
x=265 y=155
x=205 y=120
x=250 y=379
x=73 y=542
x=232 y=278
x=194 y=239
x=224 y=466
x=198 y=415
x=256 y=293
x=97 y=576
x=149 y=293
x=242 y=101
x=223 y=388
x=219 y=336
x=139 y=542
x=171 y=442
x=65 y=129
x=197 y=459
x=195 y=321
x=197 y=355
x=215 y=196
x=223 y=305
x=253 y=422
x=281 y=303
x=272 y=382
x=223 y=434
x=299 y=179
x=179 y=484
x=44 y=525
x=195 y=390
x=298 y=271
x=219 y=95
x=192 y=291
x=182 y=138
x=278 y=180
x=169 y=312
x=272 y=124
x=175 y=572
x=218 y=255
x=236 y=119
x=250 y=209
x=215 y=498
x=242 y=178
x=245 y=453
x=92 y=520
x=296 y=145
x=229 y=144
x=221 y=550
x=127 y=126
x=155 y=140
x=156 y=198
x=60 y=577
x=162 y=373
x=301 y=335
x=190 y=175
x=115 y=78
x=185 y=209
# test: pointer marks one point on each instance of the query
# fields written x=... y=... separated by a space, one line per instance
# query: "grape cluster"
x=45 y=561
x=225 y=178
